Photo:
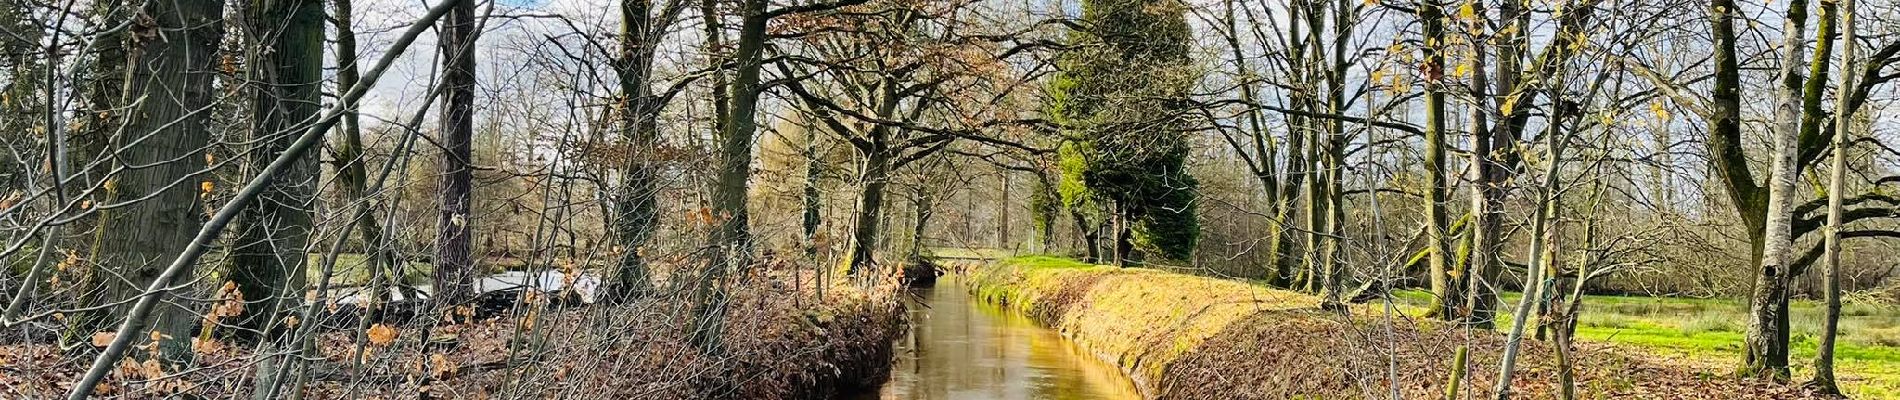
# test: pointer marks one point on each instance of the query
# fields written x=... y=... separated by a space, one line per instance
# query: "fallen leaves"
x=381 y=335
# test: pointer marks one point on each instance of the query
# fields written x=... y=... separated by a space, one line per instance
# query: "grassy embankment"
x=1190 y=337
x=1709 y=331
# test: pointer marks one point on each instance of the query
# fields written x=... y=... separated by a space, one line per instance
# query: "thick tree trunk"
x=636 y=213
x=1767 y=336
x=1335 y=195
x=157 y=153
x=454 y=264
x=864 y=233
x=103 y=89
x=274 y=232
x=1286 y=202
x=1090 y=235
x=1289 y=196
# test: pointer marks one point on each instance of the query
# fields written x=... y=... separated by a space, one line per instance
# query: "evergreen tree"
x=1122 y=98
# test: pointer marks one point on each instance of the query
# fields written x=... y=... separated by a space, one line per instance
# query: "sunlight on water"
x=959 y=348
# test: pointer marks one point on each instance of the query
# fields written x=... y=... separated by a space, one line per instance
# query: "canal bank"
x=960 y=348
x=1187 y=337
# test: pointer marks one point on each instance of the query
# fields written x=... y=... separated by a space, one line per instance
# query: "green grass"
x=1867 y=354
x=970 y=253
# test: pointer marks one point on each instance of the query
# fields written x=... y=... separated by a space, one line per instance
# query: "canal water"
x=961 y=348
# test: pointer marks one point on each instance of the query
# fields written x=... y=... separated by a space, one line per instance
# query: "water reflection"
x=959 y=348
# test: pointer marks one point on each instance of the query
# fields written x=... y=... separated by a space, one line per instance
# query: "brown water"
x=961 y=348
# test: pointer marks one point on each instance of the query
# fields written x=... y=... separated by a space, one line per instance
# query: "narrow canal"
x=962 y=348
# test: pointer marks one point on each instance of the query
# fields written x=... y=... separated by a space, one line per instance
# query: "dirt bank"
x=1188 y=337
x=778 y=345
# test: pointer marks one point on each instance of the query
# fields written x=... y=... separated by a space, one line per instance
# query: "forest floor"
x=1182 y=336
x=777 y=344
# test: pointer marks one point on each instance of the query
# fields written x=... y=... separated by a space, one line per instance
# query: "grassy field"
x=1867 y=353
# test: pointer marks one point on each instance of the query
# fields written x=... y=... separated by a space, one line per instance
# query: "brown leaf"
x=381 y=335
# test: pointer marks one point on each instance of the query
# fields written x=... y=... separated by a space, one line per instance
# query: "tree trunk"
x=636 y=213
x=1445 y=288
x=1289 y=200
x=864 y=234
x=274 y=232
x=1091 y=237
x=349 y=164
x=1335 y=195
x=1538 y=279
x=1824 y=381
x=1002 y=210
x=103 y=90
x=164 y=137
x=731 y=239
x=1767 y=336
x=813 y=205
x=1119 y=227
x=1265 y=158
x=454 y=264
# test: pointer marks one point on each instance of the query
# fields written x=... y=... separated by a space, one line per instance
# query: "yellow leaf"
x=381 y=335
x=1468 y=12
x=207 y=187
x=1657 y=108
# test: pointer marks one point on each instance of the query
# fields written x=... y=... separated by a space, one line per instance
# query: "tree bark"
x=173 y=43
x=1446 y=290
x=731 y=239
x=1540 y=276
x=454 y=281
x=1824 y=381
x=864 y=234
x=274 y=233
x=636 y=213
x=1767 y=336
x=350 y=165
